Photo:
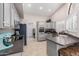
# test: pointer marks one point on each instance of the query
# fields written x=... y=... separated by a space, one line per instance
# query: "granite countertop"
x=17 y=47
x=53 y=39
x=69 y=41
x=63 y=39
x=71 y=34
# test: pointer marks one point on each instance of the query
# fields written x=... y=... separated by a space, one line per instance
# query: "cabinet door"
x=71 y=23
x=51 y=49
x=12 y=15
x=60 y=26
x=1 y=15
x=7 y=15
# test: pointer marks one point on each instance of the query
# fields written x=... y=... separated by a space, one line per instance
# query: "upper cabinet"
x=60 y=26
x=72 y=23
x=72 y=19
x=1 y=15
x=8 y=15
x=12 y=15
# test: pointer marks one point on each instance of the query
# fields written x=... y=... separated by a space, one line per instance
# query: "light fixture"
x=29 y=5
x=41 y=8
x=49 y=10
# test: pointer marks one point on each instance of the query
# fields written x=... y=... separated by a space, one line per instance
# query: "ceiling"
x=41 y=9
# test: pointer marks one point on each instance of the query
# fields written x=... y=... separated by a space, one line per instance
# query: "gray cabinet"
x=51 y=49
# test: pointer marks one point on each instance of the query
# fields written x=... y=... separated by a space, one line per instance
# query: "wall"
x=61 y=14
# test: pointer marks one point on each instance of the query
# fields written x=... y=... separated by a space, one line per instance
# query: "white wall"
x=61 y=14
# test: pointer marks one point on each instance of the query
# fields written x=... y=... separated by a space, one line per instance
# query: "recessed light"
x=41 y=8
x=29 y=5
x=49 y=10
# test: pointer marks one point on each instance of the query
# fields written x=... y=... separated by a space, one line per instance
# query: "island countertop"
x=71 y=34
x=63 y=40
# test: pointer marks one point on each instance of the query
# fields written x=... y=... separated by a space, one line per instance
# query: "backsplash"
x=6 y=30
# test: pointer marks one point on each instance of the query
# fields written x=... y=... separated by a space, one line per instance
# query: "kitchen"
x=53 y=27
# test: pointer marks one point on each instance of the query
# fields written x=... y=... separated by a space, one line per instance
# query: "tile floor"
x=34 y=48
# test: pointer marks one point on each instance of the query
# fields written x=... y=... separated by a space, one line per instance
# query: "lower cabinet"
x=51 y=49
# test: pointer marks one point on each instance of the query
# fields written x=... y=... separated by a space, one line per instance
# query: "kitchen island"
x=62 y=40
